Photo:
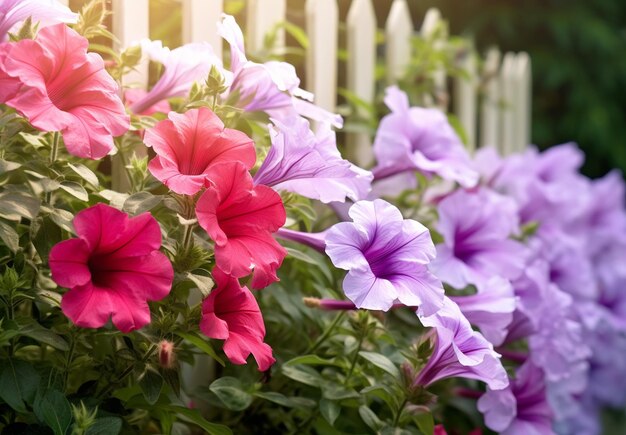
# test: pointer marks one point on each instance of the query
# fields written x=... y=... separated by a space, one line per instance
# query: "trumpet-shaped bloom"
x=131 y=96
x=240 y=218
x=188 y=145
x=491 y=309
x=309 y=164
x=476 y=227
x=112 y=269
x=182 y=67
x=521 y=408
x=415 y=138
x=231 y=313
x=45 y=12
x=271 y=87
x=58 y=86
x=386 y=257
x=459 y=351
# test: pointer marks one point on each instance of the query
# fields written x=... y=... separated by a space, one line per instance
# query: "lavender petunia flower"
x=271 y=87
x=491 y=309
x=46 y=12
x=183 y=66
x=521 y=408
x=415 y=138
x=459 y=351
x=386 y=257
x=310 y=165
x=476 y=226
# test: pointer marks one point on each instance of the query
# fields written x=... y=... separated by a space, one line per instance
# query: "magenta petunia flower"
x=491 y=308
x=386 y=257
x=240 y=218
x=182 y=67
x=415 y=138
x=112 y=269
x=309 y=164
x=55 y=84
x=521 y=408
x=231 y=313
x=476 y=227
x=44 y=12
x=459 y=351
x=189 y=144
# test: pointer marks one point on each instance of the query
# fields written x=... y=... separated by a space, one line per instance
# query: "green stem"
x=214 y=102
x=68 y=362
x=120 y=152
x=56 y=139
x=354 y=358
x=127 y=371
x=326 y=333
x=396 y=419
x=188 y=238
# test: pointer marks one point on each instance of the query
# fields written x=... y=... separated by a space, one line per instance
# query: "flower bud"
x=167 y=357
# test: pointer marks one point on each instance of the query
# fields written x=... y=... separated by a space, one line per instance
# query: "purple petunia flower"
x=416 y=138
x=491 y=309
x=459 y=351
x=476 y=226
x=386 y=257
x=521 y=408
x=46 y=12
x=310 y=165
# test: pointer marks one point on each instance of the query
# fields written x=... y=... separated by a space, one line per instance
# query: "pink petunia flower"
x=189 y=144
x=232 y=314
x=131 y=96
x=54 y=83
x=241 y=218
x=112 y=269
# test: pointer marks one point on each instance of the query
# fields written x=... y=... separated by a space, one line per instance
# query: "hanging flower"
x=189 y=144
x=44 y=12
x=415 y=138
x=459 y=351
x=386 y=257
x=476 y=227
x=240 y=218
x=520 y=408
x=309 y=164
x=231 y=313
x=112 y=269
x=55 y=84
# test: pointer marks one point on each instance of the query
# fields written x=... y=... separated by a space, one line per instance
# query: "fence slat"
x=130 y=24
x=507 y=108
x=489 y=111
x=322 y=21
x=523 y=76
x=262 y=16
x=398 y=31
x=200 y=19
x=433 y=23
x=361 y=41
x=465 y=99
x=64 y=2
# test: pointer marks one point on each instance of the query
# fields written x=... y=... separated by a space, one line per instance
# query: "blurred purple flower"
x=490 y=309
x=310 y=165
x=183 y=66
x=45 y=12
x=476 y=226
x=416 y=138
x=459 y=351
x=386 y=257
x=521 y=408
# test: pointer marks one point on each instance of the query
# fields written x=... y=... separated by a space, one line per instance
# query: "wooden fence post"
x=262 y=16
x=432 y=23
x=523 y=75
x=200 y=18
x=507 y=107
x=465 y=99
x=398 y=32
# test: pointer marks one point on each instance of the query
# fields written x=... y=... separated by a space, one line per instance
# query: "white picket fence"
x=501 y=118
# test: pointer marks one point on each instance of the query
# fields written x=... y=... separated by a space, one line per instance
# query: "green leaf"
x=339 y=392
x=85 y=173
x=202 y=344
x=382 y=362
x=151 y=385
x=140 y=202
x=6 y=166
x=30 y=328
x=312 y=360
x=53 y=409
x=9 y=236
x=302 y=375
x=295 y=253
x=425 y=423
x=194 y=416
x=289 y=402
x=370 y=418
x=34 y=140
x=330 y=410
x=105 y=426
x=63 y=219
x=16 y=205
x=230 y=392
x=18 y=384
x=204 y=283
x=75 y=189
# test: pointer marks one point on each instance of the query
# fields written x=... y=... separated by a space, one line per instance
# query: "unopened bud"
x=167 y=357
